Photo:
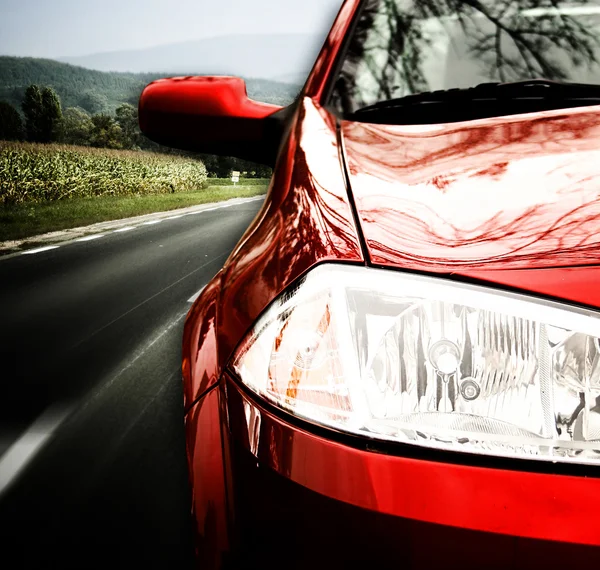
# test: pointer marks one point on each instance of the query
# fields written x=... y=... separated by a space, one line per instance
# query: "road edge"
x=51 y=239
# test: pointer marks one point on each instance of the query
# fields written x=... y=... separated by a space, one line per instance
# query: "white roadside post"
x=235 y=177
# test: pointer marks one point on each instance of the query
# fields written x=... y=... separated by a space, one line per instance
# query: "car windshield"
x=402 y=47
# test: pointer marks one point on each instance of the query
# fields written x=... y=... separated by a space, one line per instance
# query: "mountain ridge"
x=250 y=55
x=100 y=91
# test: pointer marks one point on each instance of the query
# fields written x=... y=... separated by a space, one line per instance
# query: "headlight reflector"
x=431 y=362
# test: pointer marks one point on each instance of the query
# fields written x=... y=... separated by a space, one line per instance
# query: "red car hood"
x=507 y=193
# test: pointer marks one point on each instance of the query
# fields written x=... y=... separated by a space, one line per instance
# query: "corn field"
x=46 y=172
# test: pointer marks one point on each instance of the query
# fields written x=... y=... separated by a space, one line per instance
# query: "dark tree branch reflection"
x=402 y=47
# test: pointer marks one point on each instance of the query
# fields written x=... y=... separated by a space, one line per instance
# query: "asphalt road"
x=92 y=456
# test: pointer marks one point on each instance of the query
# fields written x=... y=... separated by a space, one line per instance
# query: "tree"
x=127 y=118
x=51 y=115
x=94 y=103
x=11 y=124
x=43 y=113
x=76 y=126
x=105 y=133
x=32 y=107
x=223 y=166
x=253 y=169
x=505 y=40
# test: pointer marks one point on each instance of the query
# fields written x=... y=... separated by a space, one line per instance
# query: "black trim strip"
x=344 y=165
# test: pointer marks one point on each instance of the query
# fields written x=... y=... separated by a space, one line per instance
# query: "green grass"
x=29 y=219
x=50 y=187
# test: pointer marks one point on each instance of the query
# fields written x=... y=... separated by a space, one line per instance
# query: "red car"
x=399 y=363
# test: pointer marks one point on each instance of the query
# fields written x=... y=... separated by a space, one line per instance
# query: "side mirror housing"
x=212 y=115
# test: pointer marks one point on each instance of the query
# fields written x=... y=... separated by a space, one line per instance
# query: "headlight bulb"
x=469 y=389
x=444 y=356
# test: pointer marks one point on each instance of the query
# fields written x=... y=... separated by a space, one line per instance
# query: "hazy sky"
x=54 y=28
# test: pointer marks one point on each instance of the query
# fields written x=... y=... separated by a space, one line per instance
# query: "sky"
x=56 y=28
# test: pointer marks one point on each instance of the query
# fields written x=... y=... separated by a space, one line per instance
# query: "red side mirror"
x=212 y=115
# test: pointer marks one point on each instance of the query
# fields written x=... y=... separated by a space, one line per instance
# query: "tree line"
x=43 y=120
x=102 y=91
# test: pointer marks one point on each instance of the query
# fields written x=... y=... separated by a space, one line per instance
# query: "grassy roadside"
x=27 y=220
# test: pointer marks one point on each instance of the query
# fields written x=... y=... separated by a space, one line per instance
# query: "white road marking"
x=223 y=256
x=90 y=238
x=196 y=295
x=40 y=249
x=151 y=222
x=139 y=353
x=174 y=217
x=125 y=229
x=23 y=449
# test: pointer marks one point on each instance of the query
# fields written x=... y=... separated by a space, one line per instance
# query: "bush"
x=38 y=172
x=242 y=182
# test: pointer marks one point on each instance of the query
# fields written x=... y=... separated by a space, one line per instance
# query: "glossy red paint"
x=208 y=96
x=285 y=525
x=306 y=219
x=444 y=199
x=200 y=366
x=208 y=479
x=209 y=114
x=316 y=86
x=576 y=284
x=518 y=503
x=501 y=193
x=267 y=492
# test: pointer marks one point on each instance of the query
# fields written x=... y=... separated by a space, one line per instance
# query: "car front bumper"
x=273 y=492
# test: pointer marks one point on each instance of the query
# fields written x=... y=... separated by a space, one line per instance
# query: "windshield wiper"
x=553 y=94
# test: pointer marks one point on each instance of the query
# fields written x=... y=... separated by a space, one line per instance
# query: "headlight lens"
x=431 y=362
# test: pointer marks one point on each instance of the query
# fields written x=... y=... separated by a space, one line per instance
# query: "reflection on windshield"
x=401 y=47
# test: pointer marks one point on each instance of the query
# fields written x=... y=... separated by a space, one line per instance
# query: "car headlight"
x=431 y=362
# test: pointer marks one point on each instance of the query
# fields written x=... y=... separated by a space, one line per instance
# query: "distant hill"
x=266 y=56
x=98 y=91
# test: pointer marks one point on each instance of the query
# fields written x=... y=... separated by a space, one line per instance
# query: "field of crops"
x=31 y=173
